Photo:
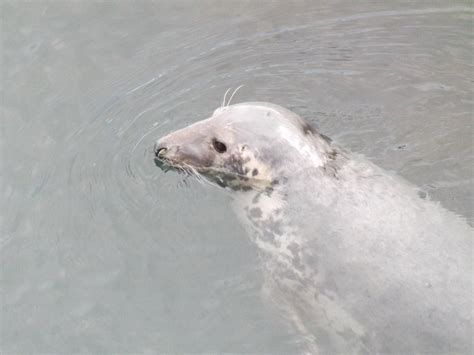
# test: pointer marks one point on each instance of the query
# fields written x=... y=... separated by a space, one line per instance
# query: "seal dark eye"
x=219 y=146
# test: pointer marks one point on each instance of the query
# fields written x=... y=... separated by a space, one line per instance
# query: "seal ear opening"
x=308 y=129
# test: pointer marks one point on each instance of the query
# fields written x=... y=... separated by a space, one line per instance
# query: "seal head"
x=245 y=146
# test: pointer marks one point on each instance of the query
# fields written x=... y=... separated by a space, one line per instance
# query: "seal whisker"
x=231 y=96
x=225 y=96
x=187 y=169
x=200 y=178
x=192 y=171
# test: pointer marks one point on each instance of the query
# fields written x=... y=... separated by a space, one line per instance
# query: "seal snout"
x=167 y=152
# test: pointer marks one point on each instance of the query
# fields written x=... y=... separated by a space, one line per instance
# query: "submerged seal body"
x=352 y=256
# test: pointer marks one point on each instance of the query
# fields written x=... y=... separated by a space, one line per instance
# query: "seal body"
x=352 y=257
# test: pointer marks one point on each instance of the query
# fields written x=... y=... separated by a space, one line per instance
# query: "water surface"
x=103 y=253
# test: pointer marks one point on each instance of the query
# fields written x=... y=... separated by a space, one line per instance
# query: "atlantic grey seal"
x=352 y=256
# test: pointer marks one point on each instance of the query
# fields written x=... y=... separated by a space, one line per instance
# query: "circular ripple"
x=95 y=233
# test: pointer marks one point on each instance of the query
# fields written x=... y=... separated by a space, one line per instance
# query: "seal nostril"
x=160 y=152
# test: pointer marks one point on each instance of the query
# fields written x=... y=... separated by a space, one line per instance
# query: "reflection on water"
x=101 y=251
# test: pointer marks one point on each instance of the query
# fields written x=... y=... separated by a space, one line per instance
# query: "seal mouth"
x=219 y=177
x=201 y=174
x=166 y=164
